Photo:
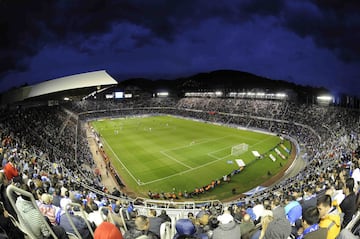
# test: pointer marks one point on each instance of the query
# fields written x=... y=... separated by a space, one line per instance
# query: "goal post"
x=239 y=149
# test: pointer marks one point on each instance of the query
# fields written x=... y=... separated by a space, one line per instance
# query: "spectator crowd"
x=44 y=151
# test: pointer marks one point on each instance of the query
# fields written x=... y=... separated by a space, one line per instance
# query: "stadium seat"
x=165 y=230
x=121 y=214
x=71 y=221
x=11 y=190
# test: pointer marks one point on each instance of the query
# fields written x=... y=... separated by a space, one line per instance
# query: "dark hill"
x=224 y=80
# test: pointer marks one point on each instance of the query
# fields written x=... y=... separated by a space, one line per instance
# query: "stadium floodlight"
x=324 y=99
x=281 y=95
x=327 y=98
x=162 y=94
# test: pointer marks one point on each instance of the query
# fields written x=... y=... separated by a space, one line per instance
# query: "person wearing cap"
x=107 y=230
x=227 y=227
x=184 y=228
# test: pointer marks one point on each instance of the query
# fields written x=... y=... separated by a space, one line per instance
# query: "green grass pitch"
x=166 y=153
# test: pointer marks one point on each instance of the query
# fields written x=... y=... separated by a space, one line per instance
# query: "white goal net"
x=239 y=149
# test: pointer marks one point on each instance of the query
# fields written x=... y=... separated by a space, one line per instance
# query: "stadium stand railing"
x=67 y=212
x=13 y=191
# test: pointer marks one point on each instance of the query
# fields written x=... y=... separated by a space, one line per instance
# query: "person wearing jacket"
x=78 y=221
x=141 y=227
x=34 y=219
x=227 y=228
x=10 y=169
x=310 y=225
x=329 y=217
x=348 y=205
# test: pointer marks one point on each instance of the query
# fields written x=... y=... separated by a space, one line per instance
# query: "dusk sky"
x=308 y=42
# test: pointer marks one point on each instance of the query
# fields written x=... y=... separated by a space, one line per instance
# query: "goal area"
x=239 y=149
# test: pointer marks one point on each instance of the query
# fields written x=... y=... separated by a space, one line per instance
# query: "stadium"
x=112 y=152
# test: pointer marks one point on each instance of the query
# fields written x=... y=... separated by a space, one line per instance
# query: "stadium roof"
x=63 y=84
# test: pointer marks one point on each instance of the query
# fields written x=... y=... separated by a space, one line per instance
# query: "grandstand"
x=50 y=147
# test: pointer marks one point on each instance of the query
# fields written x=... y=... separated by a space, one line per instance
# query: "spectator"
x=309 y=199
x=142 y=226
x=348 y=205
x=95 y=215
x=310 y=225
x=57 y=197
x=3 y=197
x=163 y=215
x=329 y=217
x=107 y=230
x=277 y=209
x=184 y=229
x=191 y=216
x=278 y=228
x=79 y=222
x=227 y=227
x=10 y=170
x=65 y=200
x=293 y=209
x=34 y=218
x=202 y=225
x=11 y=230
x=155 y=222
x=246 y=225
x=47 y=208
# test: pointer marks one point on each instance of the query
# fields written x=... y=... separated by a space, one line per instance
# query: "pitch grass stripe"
x=188 y=146
x=201 y=166
x=127 y=170
x=174 y=159
x=191 y=145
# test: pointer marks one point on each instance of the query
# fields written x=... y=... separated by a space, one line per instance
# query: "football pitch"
x=167 y=153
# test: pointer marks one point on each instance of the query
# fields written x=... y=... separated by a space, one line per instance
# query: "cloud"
x=185 y=36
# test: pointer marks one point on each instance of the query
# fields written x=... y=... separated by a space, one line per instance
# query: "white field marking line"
x=215 y=157
x=127 y=170
x=230 y=146
x=201 y=166
x=174 y=159
x=188 y=146
x=180 y=173
x=190 y=168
